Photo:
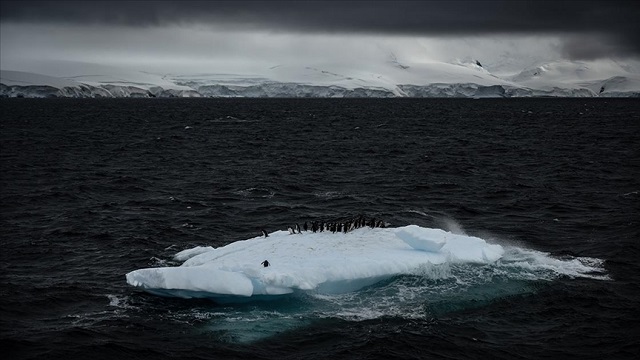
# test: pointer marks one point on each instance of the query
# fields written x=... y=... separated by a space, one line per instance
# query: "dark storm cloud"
x=356 y=16
x=618 y=20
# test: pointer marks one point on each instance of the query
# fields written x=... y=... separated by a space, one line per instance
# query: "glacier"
x=324 y=263
x=30 y=85
x=385 y=79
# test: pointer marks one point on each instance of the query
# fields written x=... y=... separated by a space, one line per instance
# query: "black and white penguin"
x=290 y=230
x=305 y=227
x=298 y=229
x=265 y=263
x=264 y=233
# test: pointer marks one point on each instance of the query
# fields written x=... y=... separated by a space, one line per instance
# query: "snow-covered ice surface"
x=20 y=78
x=595 y=78
x=79 y=79
x=326 y=263
x=98 y=75
x=375 y=79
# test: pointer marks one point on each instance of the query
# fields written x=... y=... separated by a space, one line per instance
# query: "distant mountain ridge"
x=387 y=79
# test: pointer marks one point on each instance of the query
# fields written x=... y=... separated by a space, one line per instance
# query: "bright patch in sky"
x=197 y=49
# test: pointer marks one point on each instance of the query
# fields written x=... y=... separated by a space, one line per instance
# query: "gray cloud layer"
x=615 y=25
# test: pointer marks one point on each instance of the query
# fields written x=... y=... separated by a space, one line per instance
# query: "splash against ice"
x=319 y=263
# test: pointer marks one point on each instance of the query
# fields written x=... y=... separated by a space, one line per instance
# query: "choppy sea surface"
x=93 y=189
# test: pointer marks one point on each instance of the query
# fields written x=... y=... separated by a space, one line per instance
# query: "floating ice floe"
x=321 y=263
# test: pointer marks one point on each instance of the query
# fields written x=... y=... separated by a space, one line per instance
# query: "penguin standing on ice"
x=290 y=230
x=264 y=233
x=265 y=263
x=298 y=229
x=304 y=226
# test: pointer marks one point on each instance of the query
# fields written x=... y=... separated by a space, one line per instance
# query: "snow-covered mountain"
x=604 y=78
x=391 y=78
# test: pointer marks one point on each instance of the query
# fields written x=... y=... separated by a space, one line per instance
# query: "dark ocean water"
x=93 y=189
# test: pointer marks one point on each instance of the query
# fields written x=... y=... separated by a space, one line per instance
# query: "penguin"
x=305 y=227
x=264 y=233
x=298 y=229
x=314 y=227
x=290 y=230
x=265 y=263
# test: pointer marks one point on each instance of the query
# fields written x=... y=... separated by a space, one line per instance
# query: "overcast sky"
x=246 y=36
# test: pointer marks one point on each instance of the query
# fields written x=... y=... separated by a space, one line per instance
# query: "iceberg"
x=415 y=273
x=312 y=262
